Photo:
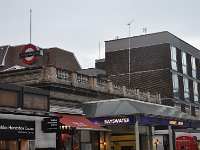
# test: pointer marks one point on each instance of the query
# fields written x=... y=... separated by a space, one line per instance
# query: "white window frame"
x=175 y=84
x=173 y=58
x=186 y=87
x=194 y=68
x=196 y=94
x=184 y=62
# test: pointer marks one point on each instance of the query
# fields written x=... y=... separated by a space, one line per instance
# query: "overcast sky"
x=79 y=25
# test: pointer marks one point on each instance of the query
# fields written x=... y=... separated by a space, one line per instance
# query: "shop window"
x=37 y=102
x=173 y=58
x=9 y=98
x=7 y=145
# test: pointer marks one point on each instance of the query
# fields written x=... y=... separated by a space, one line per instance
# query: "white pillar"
x=170 y=138
x=137 y=139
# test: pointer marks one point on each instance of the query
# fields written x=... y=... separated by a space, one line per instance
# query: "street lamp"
x=129 y=52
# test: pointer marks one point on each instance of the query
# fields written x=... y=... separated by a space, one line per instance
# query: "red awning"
x=80 y=122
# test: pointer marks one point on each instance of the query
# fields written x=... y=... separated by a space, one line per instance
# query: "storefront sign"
x=29 y=54
x=17 y=129
x=50 y=125
x=124 y=120
x=174 y=122
x=162 y=121
x=195 y=124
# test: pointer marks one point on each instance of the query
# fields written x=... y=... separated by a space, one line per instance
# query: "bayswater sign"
x=123 y=120
x=17 y=129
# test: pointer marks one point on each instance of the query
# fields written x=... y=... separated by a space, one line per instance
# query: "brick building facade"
x=9 y=57
x=160 y=63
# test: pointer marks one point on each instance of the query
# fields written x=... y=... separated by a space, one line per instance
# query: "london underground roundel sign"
x=29 y=54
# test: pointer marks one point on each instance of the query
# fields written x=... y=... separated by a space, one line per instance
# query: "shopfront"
x=24 y=132
x=134 y=124
x=16 y=134
x=22 y=112
x=78 y=133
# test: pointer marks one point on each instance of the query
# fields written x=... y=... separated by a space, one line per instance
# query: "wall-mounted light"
x=103 y=142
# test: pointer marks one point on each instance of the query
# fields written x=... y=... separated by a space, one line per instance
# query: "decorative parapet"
x=89 y=82
x=52 y=74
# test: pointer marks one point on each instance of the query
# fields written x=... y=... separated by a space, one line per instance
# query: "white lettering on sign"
x=116 y=121
x=18 y=128
x=79 y=124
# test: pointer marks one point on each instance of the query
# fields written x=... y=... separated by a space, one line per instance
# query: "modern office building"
x=159 y=63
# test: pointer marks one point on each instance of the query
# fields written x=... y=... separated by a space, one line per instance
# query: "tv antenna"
x=129 y=52
x=145 y=30
x=30 y=25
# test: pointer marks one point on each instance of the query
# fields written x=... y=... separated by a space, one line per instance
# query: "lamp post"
x=129 y=52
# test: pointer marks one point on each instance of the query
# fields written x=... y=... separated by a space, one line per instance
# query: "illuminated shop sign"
x=50 y=125
x=124 y=120
x=17 y=129
x=174 y=122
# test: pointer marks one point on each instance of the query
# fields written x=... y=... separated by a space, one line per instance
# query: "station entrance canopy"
x=125 y=111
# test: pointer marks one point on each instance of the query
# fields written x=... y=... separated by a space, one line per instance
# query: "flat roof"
x=149 y=40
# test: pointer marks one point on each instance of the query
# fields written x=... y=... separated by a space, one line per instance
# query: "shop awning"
x=80 y=122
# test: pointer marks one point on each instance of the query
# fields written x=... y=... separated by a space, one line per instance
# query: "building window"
x=184 y=63
x=9 y=98
x=34 y=101
x=197 y=111
x=186 y=89
x=177 y=106
x=175 y=86
x=188 y=110
x=173 y=58
x=194 y=70
x=196 y=94
x=63 y=74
